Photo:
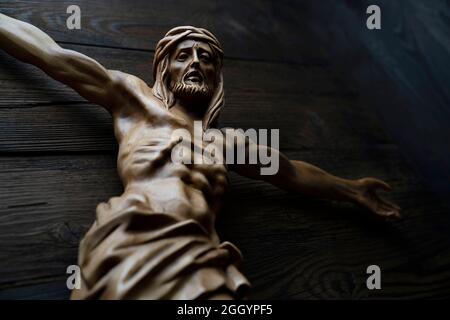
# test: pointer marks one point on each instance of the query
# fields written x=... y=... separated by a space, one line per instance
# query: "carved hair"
x=161 y=65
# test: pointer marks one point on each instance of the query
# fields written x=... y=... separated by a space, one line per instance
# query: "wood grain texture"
x=400 y=71
x=261 y=29
x=58 y=160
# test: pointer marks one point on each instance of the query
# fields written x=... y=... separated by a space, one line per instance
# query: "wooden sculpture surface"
x=157 y=240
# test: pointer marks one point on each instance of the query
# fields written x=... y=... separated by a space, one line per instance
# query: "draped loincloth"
x=131 y=252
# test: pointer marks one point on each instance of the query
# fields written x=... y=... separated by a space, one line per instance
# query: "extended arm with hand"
x=305 y=178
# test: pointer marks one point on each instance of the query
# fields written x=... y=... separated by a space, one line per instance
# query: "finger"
x=390 y=204
x=382 y=185
x=393 y=217
x=394 y=214
x=382 y=203
x=389 y=212
x=380 y=208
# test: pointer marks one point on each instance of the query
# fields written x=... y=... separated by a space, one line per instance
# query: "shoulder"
x=129 y=89
x=133 y=96
x=128 y=82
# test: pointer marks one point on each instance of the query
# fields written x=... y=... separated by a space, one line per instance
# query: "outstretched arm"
x=298 y=176
x=29 y=44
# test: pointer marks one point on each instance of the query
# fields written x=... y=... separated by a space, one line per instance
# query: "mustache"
x=193 y=72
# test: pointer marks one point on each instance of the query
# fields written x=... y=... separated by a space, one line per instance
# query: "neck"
x=188 y=112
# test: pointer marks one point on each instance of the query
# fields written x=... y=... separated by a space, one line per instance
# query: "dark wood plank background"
x=58 y=156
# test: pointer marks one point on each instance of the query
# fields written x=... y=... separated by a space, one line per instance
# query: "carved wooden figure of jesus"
x=157 y=240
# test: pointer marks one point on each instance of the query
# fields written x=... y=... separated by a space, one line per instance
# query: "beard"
x=193 y=92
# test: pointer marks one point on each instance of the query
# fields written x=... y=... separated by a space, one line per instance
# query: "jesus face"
x=193 y=71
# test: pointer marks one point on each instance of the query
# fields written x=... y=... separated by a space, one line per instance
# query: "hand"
x=367 y=197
